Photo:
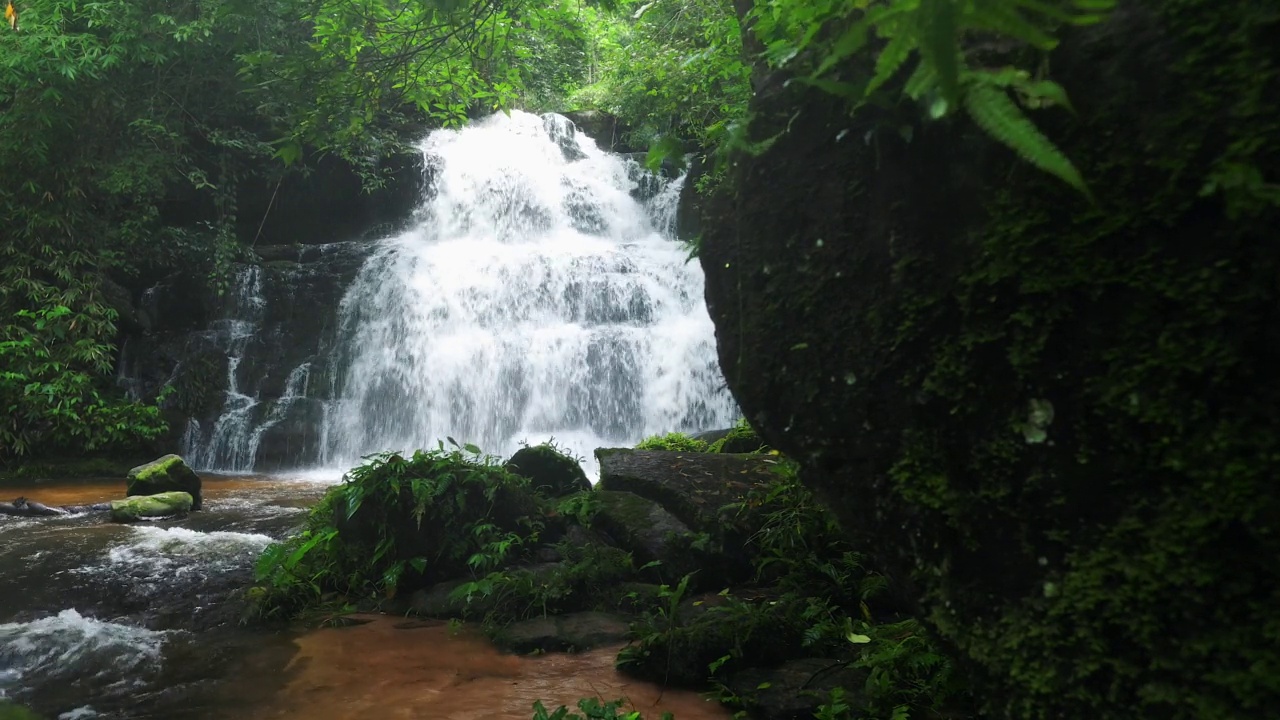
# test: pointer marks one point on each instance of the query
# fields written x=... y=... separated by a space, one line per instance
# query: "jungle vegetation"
x=134 y=129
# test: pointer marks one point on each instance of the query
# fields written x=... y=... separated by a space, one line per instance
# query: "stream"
x=99 y=620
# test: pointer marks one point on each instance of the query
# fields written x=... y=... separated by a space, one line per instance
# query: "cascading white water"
x=536 y=298
x=540 y=294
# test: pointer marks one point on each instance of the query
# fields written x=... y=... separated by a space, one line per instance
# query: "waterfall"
x=540 y=293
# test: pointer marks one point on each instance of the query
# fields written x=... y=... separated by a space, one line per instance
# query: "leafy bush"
x=675 y=442
x=396 y=524
x=55 y=387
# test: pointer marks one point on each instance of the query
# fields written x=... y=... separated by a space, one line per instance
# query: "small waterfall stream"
x=539 y=294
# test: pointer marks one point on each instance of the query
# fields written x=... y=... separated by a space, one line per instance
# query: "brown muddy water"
x=110 y=621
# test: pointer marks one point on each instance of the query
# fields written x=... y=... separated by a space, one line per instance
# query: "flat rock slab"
x=693 y=486
x=573 y=632
x=795 y=689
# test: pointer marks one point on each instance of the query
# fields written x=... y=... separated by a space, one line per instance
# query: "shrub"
x=675 y=442
x=397 y=524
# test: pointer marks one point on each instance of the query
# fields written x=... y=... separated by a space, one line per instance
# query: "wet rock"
x=551 y=473
x=695 y=487
x=640 y=525
x=573 y=632
x=603 y=128
x=795 y=689
x=150 y=506
x=167 y=474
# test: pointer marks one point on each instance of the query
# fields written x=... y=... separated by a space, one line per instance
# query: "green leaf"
x=993 y=111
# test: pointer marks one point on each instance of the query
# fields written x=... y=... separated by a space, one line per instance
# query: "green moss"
x=147 y=506
x=741 y=439
x=153 y=470
x=673 y=442
x=9 y=711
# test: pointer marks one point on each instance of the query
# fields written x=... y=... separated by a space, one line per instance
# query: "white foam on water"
x=177 y=550
x=69 y=645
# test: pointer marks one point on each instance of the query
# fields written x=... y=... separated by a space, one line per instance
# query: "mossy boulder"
x=166 y=474
x=644 y=528
x=150 y=506
x=1051 y=421
x=551 y=472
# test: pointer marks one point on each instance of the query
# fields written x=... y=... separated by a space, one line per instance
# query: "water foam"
x=71 y=647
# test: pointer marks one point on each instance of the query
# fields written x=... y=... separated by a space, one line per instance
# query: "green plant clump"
x=673 y=442
x=396 y=524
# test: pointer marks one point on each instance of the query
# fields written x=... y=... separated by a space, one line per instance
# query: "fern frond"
x=924 y=79
x=995 y=112
x=891 y=58
x=999 y=17
x=939 y=46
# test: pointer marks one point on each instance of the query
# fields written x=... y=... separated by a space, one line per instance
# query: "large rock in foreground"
x=1054 y=423
x=151 y=506
x=167 y=474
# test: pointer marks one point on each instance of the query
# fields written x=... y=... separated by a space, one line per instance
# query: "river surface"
x=143 y=621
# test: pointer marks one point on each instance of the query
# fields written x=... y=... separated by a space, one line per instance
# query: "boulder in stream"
x=167 y=474
x=159 y=505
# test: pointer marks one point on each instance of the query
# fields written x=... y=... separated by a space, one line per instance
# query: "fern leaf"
x=993 y=111
x=1000 y=17
x=938 y=46
x=855 y=36
x=890 y=59
x=924 y=79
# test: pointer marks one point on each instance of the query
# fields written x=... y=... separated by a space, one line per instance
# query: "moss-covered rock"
x=741 y=439
x=645 y=529
x=150 y=506
x=1053 y=422
x=166 y=474
x=551 y=472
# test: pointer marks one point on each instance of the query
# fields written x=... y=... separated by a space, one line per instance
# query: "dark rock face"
x=602 y=127
x=278 y=317
x=1052 y=424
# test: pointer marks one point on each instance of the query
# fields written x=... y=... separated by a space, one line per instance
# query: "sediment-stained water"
x=143 y=621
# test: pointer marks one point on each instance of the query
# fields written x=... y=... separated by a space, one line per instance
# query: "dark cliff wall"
x=1054 y=424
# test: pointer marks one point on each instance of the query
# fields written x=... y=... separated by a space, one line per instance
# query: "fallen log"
x=22 y=507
